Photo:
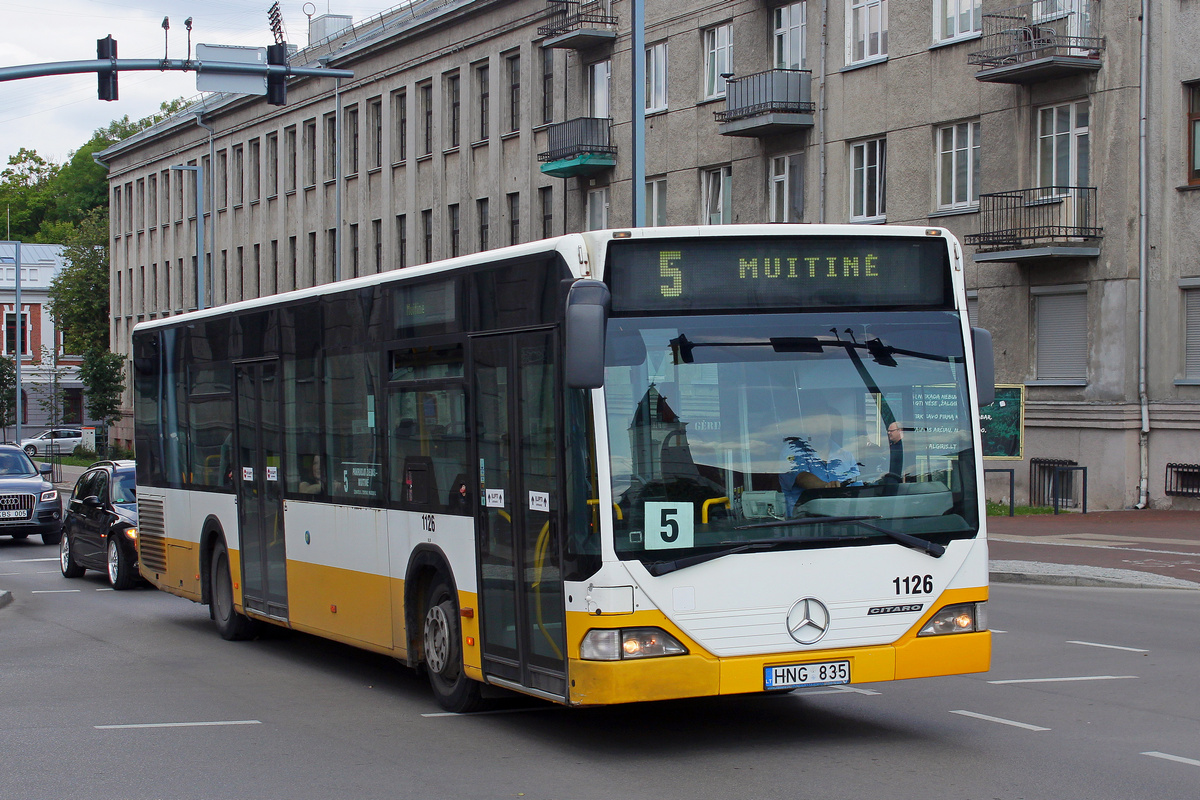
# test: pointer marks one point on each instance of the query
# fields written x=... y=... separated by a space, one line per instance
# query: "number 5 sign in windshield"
x=669 y=525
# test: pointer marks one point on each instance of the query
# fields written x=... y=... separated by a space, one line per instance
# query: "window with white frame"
x=958 y=166
x=1061 y=318
x=790 y=22
x=869 y=180
x=656 y=77
x=1064 y=150
x=599 y=76
x=1191 y=333
x=718 y=59
x=786 y=188
x=954 y=19
x=717 y=196
x=10 y=332
x=656 y=202
x=597 y=209
x=867 y=33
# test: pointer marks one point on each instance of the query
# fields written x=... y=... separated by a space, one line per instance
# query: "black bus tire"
x=230 y=624
x=443 y=654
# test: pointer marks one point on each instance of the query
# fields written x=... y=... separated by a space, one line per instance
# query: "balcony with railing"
x=578 y=24
x=1039 y=41
x=1036 y=224
x=581 y=146
x=765 y=103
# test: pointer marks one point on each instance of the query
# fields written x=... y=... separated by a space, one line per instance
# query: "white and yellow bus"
x=609 y=467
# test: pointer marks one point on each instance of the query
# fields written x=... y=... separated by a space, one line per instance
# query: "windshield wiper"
x=932 y=549
x=663 y=567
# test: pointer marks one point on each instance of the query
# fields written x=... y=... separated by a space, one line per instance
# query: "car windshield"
x=809 y=430
x=16 y=463
x=123 y=490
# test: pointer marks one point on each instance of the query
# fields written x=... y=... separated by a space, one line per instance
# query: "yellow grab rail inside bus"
x=712 y=502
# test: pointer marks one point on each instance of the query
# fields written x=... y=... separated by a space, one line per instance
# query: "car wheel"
x=443 y=653
x=66 y=559
x=230 y=624
x=30 y=450
x=120 y=571
x=53 y=537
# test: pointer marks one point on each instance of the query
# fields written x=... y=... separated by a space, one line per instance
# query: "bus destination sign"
x=795 y=272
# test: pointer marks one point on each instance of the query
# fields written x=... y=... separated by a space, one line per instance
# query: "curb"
x=5 y=598
x=1076 y=579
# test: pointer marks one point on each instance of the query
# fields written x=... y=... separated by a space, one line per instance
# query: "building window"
x=546 y=201
x=455 y=228
x=717 y=196
x=377 y=236
x=718 y=59
x=597 y=209
x=400 y=126
x=656 y=77
x=483 y=84
x=514 y=218
x=481 y=211
x=152 y=196
x=868 y=168
x=958 y=166
x=786 y=189
x=656 y=202
x=1193 y=133
x=1062 y=336
x=599 y=77
x=352 y=141
x=272 y=164
x=866 y=36
x=289 y=164
x=1191 y=349
x=10 y=333
x=427 y=118
x=953 y=19
x=222 y=183
x=353 y=251
x=453 y=108
x=547 y=85
x=513 y=64
x=239 y=175
x=789 y=31
x=401 y=241
x=1064 y=150
x=375 y=131
x=166 y=196
x=331 y=147
x=310 y=153
x=427 y=235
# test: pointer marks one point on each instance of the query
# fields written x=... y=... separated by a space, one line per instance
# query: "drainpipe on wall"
x=1143 y=266
x=821 y=110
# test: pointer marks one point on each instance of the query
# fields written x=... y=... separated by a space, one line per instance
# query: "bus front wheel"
x=230 y=624
x=443 y=652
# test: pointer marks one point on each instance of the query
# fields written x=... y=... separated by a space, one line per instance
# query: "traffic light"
x=277 y=84
x=106 y=80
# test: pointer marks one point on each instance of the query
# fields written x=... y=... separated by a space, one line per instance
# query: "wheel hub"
x=437 y=639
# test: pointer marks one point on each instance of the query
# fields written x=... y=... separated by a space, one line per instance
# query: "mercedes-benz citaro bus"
x=609 y=467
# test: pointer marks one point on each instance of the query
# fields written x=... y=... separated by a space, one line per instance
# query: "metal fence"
x=579 y=136
x=571 y=15
x=773 y=91
x=1038 y=30
x=1024 y=217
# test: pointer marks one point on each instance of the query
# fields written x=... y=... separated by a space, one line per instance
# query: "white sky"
x=56 y=115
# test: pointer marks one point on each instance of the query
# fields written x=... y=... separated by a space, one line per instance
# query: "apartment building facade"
x=473 y=124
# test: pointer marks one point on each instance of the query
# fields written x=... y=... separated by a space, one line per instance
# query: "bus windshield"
x=793 y=430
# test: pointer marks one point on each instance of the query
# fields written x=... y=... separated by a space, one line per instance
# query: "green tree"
x=27 y=193
x=50 y=393
x=79 y=292
x=103 y=375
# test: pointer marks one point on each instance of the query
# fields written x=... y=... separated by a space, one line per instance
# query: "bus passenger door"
x=260 y=489
x=516 y=396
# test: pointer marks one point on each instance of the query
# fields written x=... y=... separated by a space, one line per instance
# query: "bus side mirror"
x=985 y=366
x=588 y=302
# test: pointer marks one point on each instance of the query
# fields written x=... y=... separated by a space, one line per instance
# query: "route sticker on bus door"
x=669 y=525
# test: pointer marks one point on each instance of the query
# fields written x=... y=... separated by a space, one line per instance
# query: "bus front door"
x=516 y=393
x=260 y=489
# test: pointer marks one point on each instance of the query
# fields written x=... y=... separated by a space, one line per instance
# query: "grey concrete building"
x=473 y=124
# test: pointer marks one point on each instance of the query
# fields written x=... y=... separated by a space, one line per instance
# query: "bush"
x=85 y=453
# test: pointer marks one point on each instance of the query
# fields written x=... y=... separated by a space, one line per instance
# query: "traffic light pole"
x=167 y=65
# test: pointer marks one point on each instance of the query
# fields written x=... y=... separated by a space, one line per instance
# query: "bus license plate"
x=794 y=676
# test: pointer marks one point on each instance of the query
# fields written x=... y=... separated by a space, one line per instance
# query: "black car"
x=29 y=503
x=100 y=527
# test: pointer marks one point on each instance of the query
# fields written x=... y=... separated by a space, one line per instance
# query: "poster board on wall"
x=1002 y=423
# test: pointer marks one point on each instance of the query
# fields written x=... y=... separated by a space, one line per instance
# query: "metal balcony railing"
x=1028 y=217
x=580 y=136
x=1037 y=30
x=567 y=16
x=773 y=91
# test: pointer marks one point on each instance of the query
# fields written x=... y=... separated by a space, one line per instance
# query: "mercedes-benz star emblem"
x=808 y=620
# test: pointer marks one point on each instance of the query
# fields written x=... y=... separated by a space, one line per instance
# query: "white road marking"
x=55 y=591
x=105 y=589
x=490 y=713
x=178 y=724
x=29 y=560
x=46 y=572
x=1167 y=756
x=995 y=630
x=1064 y=680
x=1110 y=646
x=1001 y=720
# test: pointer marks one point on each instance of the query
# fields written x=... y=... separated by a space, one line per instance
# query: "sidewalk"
x=1146 y=549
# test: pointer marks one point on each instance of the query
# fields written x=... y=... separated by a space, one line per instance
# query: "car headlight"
x=959 y=618
x=131 y=533
x=50 y=495
x=617 y=644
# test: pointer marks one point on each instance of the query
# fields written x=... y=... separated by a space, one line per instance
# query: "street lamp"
x=199 y=170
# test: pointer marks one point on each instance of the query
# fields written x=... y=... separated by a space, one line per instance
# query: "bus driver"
x=816 y=461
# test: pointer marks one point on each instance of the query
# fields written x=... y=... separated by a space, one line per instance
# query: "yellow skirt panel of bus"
x=349 y=604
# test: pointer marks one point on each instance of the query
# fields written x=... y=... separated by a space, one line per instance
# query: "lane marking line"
x=55 y=591
x=1168 y=757
x=1110 y=646
x=1064 y=680
x=996 y=630
x=28 y=560
x=105 y=589
x=178 y=724
x=1001 y=720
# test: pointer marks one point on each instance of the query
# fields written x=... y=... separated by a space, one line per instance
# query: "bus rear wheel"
x=230 y=624
x=443 y=652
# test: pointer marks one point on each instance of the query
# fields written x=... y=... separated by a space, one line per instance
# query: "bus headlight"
x=614 y=645
x=960 y=618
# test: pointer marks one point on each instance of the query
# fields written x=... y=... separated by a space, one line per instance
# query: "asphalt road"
x=1094 y=693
